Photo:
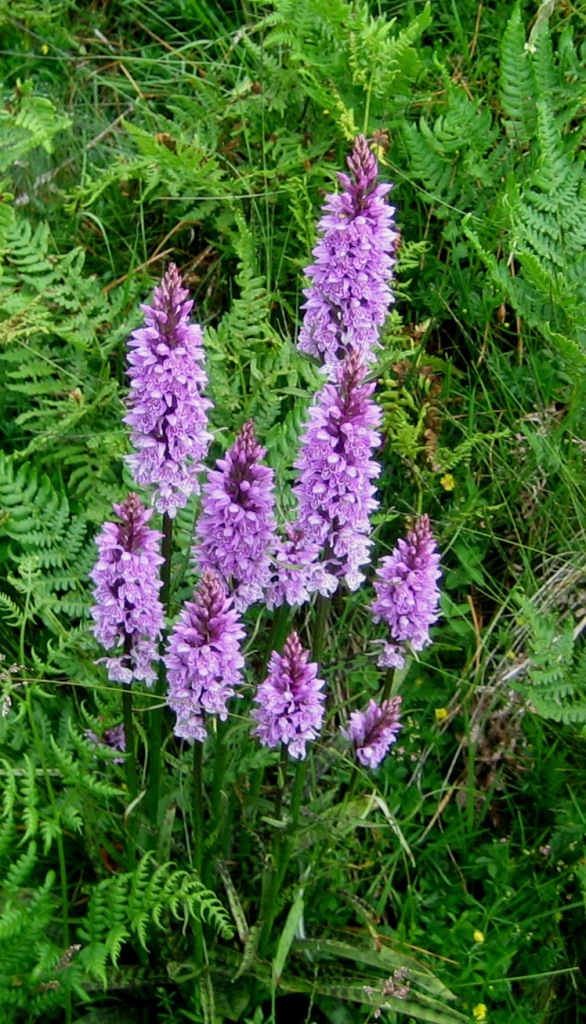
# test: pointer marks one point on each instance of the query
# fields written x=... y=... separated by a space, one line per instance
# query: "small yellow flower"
x=379 y=153
x=44 y=49
x=440 y=714
x=478 y=936
x=448 y=482
x=480 y=1011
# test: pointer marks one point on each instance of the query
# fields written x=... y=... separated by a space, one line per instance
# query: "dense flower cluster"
x=334 y=488
x=168 y=413
x=203 y=659
x=290 y=700
x=236 y=528
x=407 y=594
x=293 y=571
x=374 y=730
x=127 y=613
x=349 y=295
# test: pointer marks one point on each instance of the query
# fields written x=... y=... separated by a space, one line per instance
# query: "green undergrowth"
x=133 y=134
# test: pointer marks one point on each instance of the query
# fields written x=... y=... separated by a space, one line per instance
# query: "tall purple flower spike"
x=236 y=528
x=290 y=701
x=203 y=659
x=334 y=488
x=374 y=730
x=349 y=295
x=167 y=409
x=407 y=594
x=127 y=613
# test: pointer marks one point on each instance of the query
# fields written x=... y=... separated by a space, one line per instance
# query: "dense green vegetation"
x=207 y=133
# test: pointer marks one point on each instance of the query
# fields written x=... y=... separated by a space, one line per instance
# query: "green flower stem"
x=319 y=630
x=283 y=842
x=297 y=796
x=388 y=684
x=166 y=551
x=130 y=759
x=220 y=820
x=277 y=634
x=198 y=834
x=156 y=716
x=351 y=789
x=197 y=806
x=274 y=874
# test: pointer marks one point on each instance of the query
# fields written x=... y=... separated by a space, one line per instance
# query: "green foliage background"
x=132 y=134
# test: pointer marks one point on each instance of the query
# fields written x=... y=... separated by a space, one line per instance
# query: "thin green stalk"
x=220 y=820
x=221 y=753
x=130 y=761
x=254 y=789
x=296 y=798
x=197 y=806
x=23 y=627
x=367 y=105
x=298 y=787
x=198 y=834
x=351 y=789
x=277 y=634
x=283 y=844
x=166 y=551
x=388 y=684
x=275 y=873
x=319 y=629
x=156 y=716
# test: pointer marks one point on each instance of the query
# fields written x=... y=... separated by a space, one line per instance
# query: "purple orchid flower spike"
x=407 y=594
x=335 y=490
x=374 y=730
x=236 y=528
x=203 y=659
x=127 y=613
x=167 y=408
x=349 y=295
x=290 y=701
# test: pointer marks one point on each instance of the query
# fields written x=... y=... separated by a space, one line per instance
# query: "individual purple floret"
x=167 y=409
x=349 y=296
x=407 y=594
x=127 y=613
x=203 y=659
x=290 y=700
x=374 y=730
x=236 y=527
x=334 y=488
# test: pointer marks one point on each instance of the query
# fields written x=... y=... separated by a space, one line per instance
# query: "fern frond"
x=27 y=122
x=19 y=871
x=87 y=781
x=516 y=82
x=128 y=904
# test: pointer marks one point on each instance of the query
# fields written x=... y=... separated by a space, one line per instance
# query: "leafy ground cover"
x=207 y=134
